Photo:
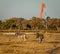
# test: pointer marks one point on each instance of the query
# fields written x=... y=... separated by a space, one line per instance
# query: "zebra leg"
x=18 y=37
x=40 y=40
x=24 y=37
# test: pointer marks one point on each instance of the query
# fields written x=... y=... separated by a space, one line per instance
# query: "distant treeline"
x=33 y=24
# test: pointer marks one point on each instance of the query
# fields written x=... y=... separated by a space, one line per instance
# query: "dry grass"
x=13 y=45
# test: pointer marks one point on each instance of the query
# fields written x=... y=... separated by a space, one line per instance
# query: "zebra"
x=22 y=35
x=40 y=36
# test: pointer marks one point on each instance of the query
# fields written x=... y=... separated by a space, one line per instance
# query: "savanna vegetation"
x=11 y=44
x=32 y=24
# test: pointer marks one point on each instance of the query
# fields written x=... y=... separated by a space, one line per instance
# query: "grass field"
x=13 y=45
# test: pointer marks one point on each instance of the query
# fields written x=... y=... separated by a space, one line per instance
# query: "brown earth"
x=13 y=45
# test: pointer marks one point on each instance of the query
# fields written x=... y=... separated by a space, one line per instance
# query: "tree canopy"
x=32 y=24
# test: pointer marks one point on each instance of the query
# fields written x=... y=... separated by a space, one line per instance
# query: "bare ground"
x=13 y=45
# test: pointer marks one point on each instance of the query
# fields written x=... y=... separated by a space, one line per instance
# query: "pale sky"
x=28 y=8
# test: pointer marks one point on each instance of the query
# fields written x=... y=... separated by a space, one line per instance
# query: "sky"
x=28 y=8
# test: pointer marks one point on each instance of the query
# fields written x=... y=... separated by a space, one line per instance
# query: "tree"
x=18 y=22
x=0 y=24
x=48 y=18
x=47 y=23
x=8 y=24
